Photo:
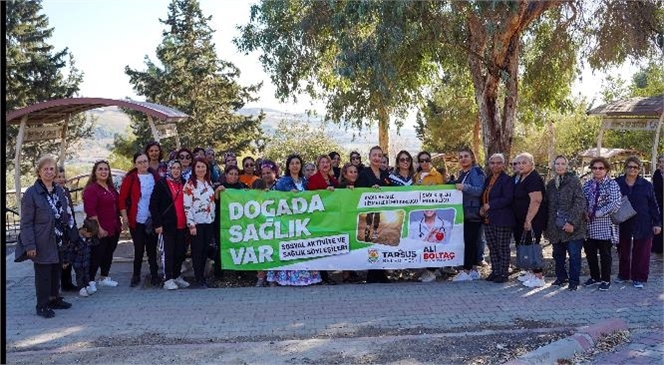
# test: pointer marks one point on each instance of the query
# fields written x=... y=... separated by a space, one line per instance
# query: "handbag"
x=529 y=255
x=624 y=212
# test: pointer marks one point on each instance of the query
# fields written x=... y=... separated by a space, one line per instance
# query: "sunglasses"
x=404 y=159
x=515 y=164
x=598 y=168
x=425 y=160
x=355 y=157
x=184 y=157
x=633 y=167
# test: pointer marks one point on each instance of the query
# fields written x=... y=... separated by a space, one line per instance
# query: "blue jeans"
x=560 y=251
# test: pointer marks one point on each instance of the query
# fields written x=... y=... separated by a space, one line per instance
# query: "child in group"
x=79 y=256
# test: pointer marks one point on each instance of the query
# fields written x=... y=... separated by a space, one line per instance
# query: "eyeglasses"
x=425 y=160
x=515 y=164
x=249 y=165
x=633 y=167
x=496 y=163
x=184 y=157
x=354 y=157
x=598 y=168
x=404 y=159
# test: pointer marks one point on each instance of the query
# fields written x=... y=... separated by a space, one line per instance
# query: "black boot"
x=59 y=303
x=135 y=280
x=45 y=312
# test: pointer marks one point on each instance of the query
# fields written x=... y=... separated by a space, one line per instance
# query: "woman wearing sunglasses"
x=186 y=158
x=603 y=198
x=636 y=233
x=248 y=176
x=403 y=172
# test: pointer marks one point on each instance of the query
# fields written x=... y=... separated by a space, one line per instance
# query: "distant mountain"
x=112 y=120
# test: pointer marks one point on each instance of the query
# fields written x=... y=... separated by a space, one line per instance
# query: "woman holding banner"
x=293 y=181
x=268 y=181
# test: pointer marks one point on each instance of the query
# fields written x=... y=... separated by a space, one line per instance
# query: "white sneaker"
x=180 y=282
x=462 y=276
x=525 y=277
x=535 y=282
x=83 y=292
x=107 y=281
x=474 y=275
x=170 y=285
x=427 y=277
x=92 y=287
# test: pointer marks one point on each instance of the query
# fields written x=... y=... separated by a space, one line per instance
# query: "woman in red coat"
x=323 y=179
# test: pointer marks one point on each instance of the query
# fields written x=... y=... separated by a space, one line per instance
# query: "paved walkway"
x=645 y=347
x=154 y=316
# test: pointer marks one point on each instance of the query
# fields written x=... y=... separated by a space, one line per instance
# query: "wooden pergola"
x=640 y=114
x=48 y=121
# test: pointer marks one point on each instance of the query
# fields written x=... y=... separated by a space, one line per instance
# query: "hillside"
x=112 y=120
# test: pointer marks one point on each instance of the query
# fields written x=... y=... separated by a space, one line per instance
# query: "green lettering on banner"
x=344 y=229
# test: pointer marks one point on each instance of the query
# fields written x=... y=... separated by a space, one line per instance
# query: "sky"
x=105 y=36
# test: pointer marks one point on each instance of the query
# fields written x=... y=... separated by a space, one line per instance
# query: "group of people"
x=172 y=204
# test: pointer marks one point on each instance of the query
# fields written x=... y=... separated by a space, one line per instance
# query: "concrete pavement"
x=189 y=316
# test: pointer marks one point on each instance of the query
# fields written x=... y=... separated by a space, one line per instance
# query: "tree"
x=417 y=37
x=192 y=79
x=35 y=73
x=302 y=138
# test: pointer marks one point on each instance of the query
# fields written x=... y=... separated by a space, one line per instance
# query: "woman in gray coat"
x=45 y=225
x=566 y=228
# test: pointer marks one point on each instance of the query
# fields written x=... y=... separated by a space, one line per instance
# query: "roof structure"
x=54 y=111
x=635 y=107
x=608 y=152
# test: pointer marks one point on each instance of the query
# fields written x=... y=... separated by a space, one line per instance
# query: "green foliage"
x=192 y=79
x=649 y=80
x=302 y=138
x=35 y=73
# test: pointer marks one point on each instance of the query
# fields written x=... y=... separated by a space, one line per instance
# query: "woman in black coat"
x=658 y=183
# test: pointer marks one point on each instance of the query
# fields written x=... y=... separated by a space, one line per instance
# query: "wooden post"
x=17 y=162
x=63 y=141
x=655 y=144
x=599 y=139
x=153 y=128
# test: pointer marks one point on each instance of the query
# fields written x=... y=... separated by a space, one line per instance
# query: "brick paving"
x=644 y=347
x=236 y=314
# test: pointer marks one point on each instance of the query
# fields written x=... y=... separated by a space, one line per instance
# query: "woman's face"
x=185 y=158
x=60 y=178
x=661 y=164
x=267 y=175
x=384 y=163
x=176 y=170
x=632 y=169
x=404 y=161
x=154 y=153
x=249 y=166
x=376 y=156
x=336 y=161
x=351 y=174
x=141 y=164
x=516 y=167
x=324 y=165
x=599 y=170
x=496 y=165
x=102 y=172
x=199 y=153
x=465 y=160
x=425 y=162
x=200 y=170
x=355 y=159
x=525 y=165
x=295 y=166
x=560 y=166
x=47 y=172
x=232 y=176
x=429 y=213
x=309 y=170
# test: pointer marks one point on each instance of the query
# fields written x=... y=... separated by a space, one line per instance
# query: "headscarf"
x=271 y=165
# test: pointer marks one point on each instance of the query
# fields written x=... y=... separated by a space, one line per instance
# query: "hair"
x=288 y=161
x=320 y=158
x=420 y=154
x=375 y=148
x=355 y=153
x=270 y=165
x=245 y=160
x=660 y=157
x=525 y=155
x=499 y=156
x=43 y=161
x=553 y=163
x=210 y=149
x=183 y=149
x=198 y=149
x=344 y=170
x=228 y=154
x=193 y=177
x=411 y=167
x=93 y=179
x=137 y=155
x=387 y=158
x=470 y=151
x=154 y=143
x=61 y=168
x=333 y=154
x=231 y=168
x=308 y=164
x=633 y=159
x=173 y=162
x=91 y=226
x=603 y=161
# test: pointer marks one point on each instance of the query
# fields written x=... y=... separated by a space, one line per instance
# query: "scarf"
x=58 y=212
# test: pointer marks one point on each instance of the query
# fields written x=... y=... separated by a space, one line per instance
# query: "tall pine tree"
x=35 y=73
x=193 y=79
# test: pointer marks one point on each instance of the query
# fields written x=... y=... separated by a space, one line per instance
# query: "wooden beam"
x=17 y=162
x=153 y=128
x=655 y=145
x=63 y=141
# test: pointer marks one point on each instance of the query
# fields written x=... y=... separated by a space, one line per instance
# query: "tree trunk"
x=476 y=137
x=383 y=129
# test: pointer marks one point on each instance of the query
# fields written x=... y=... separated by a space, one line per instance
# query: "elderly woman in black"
x=45 y=225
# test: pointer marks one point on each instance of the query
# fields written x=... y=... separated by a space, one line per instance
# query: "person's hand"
x=64 y=266
x=159 y=230
x=351 y=187
x=656 y=230
x=486 y=207
x=103 y=233
x=568 y=228
x=31 y=253
x=459 y=186
x=192 y=230
x=219 y=189
x=330 y=188
x=376 y=186
x=528 y=226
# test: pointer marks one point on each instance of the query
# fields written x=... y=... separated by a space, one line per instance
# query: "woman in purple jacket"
x=498 y=217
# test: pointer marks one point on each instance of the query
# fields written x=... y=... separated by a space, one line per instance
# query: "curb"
x=583 y=340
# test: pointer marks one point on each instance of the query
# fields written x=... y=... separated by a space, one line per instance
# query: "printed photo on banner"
x=431 y=225
x=384 y=227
